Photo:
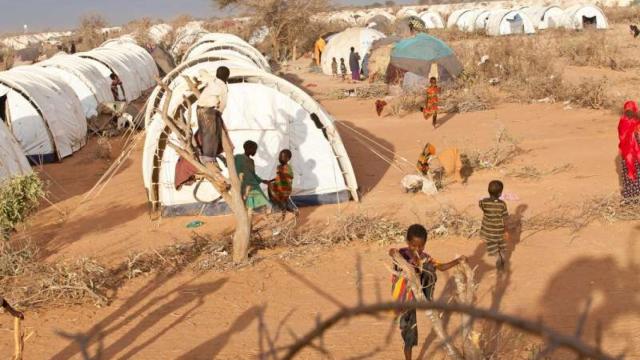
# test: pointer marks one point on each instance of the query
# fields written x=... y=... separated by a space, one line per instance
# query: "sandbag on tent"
x=340 y=44
x=417 y=54
x=261 y=107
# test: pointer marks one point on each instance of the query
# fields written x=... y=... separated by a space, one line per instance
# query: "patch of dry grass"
x=530 y=172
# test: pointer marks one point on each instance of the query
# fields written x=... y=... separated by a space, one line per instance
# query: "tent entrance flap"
x=4 y=110
x=589 y=22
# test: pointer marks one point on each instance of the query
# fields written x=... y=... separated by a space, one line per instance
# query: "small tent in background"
x=580 y=17
x=380 y=56
x=482 y=17
x=158 y=33
x=340 y=44
x=416 y=56
x=432 y=19
x=454 y=17
x=509 y=22
x=549 y=17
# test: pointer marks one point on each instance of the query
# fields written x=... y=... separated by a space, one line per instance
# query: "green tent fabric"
x=418 y=53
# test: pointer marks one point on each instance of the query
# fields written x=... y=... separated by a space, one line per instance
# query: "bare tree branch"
x=535 y=328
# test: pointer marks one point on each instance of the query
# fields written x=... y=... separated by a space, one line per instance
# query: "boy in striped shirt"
x=493 y=230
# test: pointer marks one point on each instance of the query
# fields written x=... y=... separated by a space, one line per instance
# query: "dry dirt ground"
x=217 y=315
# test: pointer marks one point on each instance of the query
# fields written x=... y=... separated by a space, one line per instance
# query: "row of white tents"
x=526 y=20
x=20 y=42
x=44 y=107
x=488 y=17
x=261 y=107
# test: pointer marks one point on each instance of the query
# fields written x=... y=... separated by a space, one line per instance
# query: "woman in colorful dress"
x=628 y=133
x=431 y=107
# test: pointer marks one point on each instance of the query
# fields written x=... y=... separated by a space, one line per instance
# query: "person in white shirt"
x=210 y=106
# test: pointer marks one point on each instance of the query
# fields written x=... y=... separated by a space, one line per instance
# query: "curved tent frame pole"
x=38 y=110
x=110 y=69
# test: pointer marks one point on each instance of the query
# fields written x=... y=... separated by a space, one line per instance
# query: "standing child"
x=431 y=107
x=255 y=199
x=493 y=223
x=343 y=69
x=424 y=265
x=281 y=187
x=334 y=68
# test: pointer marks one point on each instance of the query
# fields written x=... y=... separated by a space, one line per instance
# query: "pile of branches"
x=449 y=221
x=504 y=149
x=530 y=172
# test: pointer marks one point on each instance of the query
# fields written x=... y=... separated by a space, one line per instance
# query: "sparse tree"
x=287 y=21
x=390 y=3
x=90 y=30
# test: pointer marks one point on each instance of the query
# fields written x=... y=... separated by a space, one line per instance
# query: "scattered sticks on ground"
x=530 y=172
x=503 y=150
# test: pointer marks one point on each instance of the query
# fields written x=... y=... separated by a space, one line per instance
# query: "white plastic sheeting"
x=509 y=22
x=12 y=159
x=185 y=36
x=339 y=46
x=45 y=113
x=548 y=17
x=219 y=41
x=133 y=65
x=159 y=32
x=89 y=73
x=481 y=20
x=578 y=17
x=263 y=108
x=432 y=20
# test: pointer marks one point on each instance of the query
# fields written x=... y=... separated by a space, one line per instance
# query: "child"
x=343 y=69
x=431 y=106
x=280 y=188
x=334 y=68
x=424 y=265
x=246 y=168
x=13 y=312
x=493 y=222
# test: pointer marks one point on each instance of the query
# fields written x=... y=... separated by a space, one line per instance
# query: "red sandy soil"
x=217 y=315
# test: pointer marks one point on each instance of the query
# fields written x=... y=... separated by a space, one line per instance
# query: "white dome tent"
x=482 y=18
x=44 y=113
x=12 y=159
x=261 y=107
x=509 y=22
x=133 y=65
x=452 y=20
x=339 y=46
x=215 y=41
x=159 y=32
x=548 y=17
x=432 y=19
x=467 y=20
x=73 y=69
x=579 y=17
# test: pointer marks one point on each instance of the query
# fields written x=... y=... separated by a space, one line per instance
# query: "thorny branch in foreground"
x=314 y=339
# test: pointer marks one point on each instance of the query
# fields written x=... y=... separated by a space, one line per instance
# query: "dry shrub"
x=504 y=149
x=449 y=221
x=590 y=93
x=140 y=30
x=19 y=198
x=462 y=98
x=104 y=149
x=374 y=91
x=90 y=31
x=7 y=58
x=345 y=229
x=596 y=49
x=409 y=101
x=623 y=15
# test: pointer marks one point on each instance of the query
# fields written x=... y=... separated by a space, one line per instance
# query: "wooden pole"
x=18 y=338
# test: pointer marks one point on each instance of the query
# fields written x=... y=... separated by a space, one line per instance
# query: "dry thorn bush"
x=90 y=31
x=503 y=150
x=19 y=198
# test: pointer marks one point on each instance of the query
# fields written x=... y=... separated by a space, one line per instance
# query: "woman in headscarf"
x=423 y=160
x=628 y=133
